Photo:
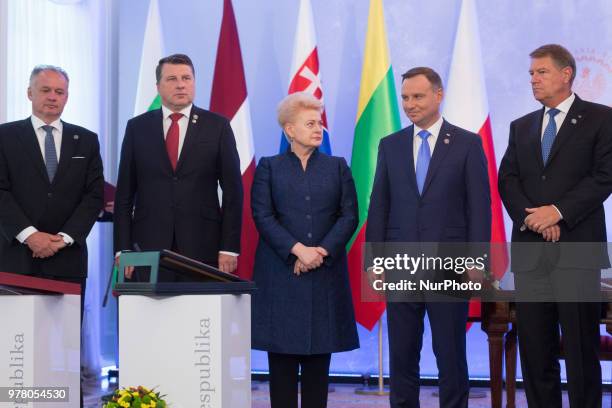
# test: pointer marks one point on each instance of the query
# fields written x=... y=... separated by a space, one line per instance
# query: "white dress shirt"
x=38 y=124
x=434 y=130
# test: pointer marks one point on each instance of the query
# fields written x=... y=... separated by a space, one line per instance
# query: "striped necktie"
x=50 y=152
x=549 y=134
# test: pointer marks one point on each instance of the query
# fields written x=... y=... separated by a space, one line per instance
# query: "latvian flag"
x=229 y=98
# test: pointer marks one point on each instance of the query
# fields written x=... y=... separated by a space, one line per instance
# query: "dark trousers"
x=405 y=322
x=284 y=370
x=538 y=334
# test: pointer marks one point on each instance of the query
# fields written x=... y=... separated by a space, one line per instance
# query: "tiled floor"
x=343 y=396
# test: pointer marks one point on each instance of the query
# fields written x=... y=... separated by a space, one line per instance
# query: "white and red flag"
x=466 y=106
x=229 y=98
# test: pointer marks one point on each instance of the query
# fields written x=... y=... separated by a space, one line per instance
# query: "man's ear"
x=567 y=71
x=440 y=94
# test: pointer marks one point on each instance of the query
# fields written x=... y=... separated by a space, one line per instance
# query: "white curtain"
x=79 y=36
x=3 y=61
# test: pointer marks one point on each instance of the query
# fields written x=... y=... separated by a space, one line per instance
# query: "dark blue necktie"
x=549 y=134
x=50 y=152
x=423 y=158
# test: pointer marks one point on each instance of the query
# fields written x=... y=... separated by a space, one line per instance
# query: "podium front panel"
x=196 y=349
x=40 y=343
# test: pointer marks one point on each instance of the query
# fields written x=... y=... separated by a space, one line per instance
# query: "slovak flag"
x=305 y=75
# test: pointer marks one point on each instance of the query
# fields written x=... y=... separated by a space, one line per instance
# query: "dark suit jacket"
x=311 y=313
x=455 y=205
x=156 y=206
x=70 y=204
x=577 y=179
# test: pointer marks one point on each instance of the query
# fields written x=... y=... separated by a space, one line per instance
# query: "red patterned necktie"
x=172 y=139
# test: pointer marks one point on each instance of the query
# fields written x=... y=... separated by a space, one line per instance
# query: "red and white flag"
x=466 y=106
x=229 y=98
x=305 y=76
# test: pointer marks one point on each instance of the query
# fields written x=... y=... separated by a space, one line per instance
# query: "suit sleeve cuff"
x=25 y=234
x=67 y=238
x=555 y=207
x=229 y=253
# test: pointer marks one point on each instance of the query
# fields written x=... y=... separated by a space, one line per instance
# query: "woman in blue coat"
x=305 y=208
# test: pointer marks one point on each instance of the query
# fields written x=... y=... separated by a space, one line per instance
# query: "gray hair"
x=560 y=56
x=292 y=104
x=40 y=68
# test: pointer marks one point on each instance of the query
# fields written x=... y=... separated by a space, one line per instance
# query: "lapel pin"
x=574 y=121
x=75 y=137
x=193 y=121
x=195 y=116
x=446 y=141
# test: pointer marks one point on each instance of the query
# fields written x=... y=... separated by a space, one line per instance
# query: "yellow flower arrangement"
x=136 y=397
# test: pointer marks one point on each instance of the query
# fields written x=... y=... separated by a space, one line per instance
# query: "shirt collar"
x=564 y=106
x=37 y=123
x=186 y=111
x=434 y=129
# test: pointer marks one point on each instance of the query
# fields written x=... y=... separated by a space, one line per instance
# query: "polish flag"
x=466 y=106
x=305 y=76
x=229 y=98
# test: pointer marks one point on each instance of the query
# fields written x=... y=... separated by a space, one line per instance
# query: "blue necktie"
x=549 y=134
x=423 y=158
x=50 y=152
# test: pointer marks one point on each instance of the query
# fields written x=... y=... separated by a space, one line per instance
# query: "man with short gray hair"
x=51 y=186
x=553 y=179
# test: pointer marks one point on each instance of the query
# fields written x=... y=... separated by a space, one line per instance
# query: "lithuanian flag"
x=377 y=117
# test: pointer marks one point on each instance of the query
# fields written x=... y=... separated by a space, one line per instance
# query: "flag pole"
x=380 y=389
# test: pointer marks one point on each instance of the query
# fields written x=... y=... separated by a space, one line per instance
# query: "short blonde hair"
x=295 y=102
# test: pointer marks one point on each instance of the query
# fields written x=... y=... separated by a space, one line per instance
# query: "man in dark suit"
x=554 y=177
x=431 y=185
x=172 y=161
x=51 y=186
